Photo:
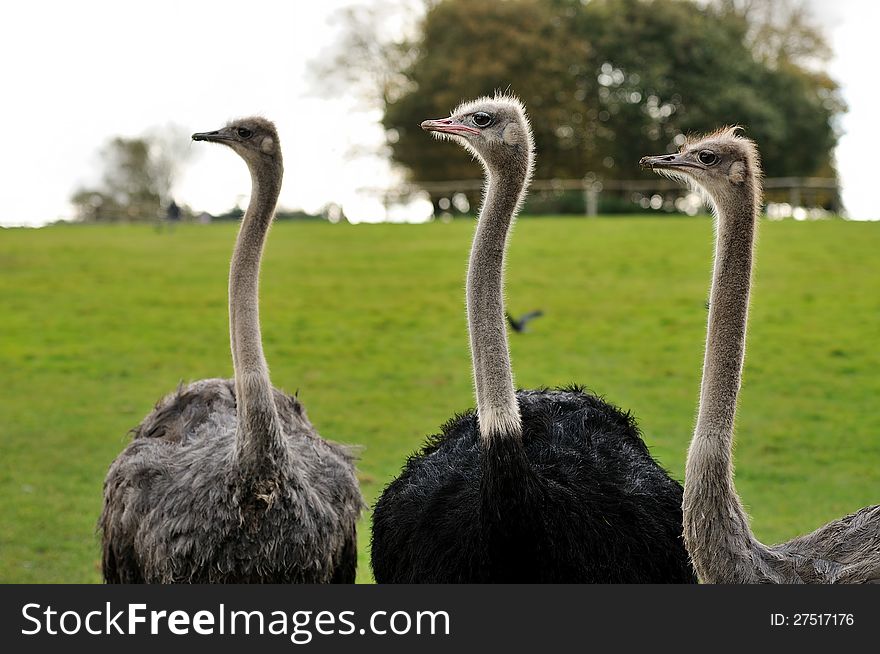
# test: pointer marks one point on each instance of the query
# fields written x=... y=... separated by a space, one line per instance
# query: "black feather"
x=579 y=499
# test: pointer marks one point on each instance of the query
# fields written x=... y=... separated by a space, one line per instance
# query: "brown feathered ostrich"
x=535 y=486
x=726 y=168
x=227 y=481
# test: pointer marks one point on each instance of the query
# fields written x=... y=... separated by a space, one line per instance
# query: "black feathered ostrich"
x=535 y=486
x=227 y=481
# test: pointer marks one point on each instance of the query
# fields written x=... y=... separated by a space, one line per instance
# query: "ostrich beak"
x=216 y=135
x=447 y=126
x=666 y=161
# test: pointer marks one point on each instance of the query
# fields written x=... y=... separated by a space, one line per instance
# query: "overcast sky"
x=74 y=74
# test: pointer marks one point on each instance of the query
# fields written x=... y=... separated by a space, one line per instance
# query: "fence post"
x=591 y=196
x=794 y=193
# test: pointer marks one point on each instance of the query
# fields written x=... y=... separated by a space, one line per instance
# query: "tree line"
x=605 y=81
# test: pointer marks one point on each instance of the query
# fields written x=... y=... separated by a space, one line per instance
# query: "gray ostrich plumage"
x=227 y=481
x=725 y=167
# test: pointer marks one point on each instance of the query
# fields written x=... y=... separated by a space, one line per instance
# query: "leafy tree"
x=137 y=177
x=469 y=49
x=610 y=80
x=368 y=60
x=779 y=31
x=676 y=68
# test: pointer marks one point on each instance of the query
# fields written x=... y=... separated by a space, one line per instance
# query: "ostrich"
x=227 y=481
x=535 y=486
x=725 y=167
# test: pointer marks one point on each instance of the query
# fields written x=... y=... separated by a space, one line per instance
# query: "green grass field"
x=368 y=323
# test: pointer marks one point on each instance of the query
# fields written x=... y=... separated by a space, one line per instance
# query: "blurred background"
x=105 y=98
x=121 y=294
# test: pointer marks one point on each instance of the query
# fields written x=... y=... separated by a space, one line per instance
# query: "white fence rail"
x=795 y=190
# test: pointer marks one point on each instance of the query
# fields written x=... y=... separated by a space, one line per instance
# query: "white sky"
x=74 y=74
x=854 y=27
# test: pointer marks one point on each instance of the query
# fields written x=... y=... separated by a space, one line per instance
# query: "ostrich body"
x=535 y=486
x=227 y=481
x=726 y=167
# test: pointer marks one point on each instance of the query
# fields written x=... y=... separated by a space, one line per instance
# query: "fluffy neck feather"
x=259 y=430
x=716 y=528
x=497 y=407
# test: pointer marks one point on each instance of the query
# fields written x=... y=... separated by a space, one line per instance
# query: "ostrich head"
x=495 y=129
x=255 y=139
x=723 y=164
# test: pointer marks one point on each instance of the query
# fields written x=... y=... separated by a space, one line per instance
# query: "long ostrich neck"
x=716 y=527
x=258 y=425
x=497 y=409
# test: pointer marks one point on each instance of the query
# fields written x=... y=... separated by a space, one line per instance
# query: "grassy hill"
x=97 y=323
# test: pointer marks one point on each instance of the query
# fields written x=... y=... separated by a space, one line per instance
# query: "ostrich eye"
x=245 y=133
x=707 y=157
x=482 y=119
